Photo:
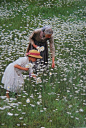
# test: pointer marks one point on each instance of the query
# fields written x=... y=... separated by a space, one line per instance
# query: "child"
x=13 y=77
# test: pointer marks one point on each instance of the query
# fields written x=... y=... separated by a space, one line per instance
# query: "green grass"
x=45 y=12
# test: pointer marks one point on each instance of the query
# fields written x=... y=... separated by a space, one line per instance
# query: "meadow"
x=60 y=100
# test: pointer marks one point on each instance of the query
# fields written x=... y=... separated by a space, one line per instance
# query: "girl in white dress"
x=13 y=78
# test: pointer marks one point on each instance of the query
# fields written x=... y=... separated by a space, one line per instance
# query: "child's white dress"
x=13 y=78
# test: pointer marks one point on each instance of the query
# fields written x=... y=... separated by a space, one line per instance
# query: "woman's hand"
x=53 y=63
x=35 y=46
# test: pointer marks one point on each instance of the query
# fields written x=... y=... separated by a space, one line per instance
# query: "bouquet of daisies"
x=29 y=65
x=40 y=49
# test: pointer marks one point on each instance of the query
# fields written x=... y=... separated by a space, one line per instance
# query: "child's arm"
x=21 y=68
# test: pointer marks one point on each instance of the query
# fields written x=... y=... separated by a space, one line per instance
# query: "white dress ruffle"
x=13 y=78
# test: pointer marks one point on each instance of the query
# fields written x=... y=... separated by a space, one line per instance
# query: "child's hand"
x=38 y=80
x=26 y=69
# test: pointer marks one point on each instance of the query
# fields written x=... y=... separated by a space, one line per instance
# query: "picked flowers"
x=30 y=65
x=40 y=49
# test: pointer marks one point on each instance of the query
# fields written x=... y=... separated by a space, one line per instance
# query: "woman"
x=38 y=39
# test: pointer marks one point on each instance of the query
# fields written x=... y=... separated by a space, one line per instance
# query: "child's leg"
x=7 y=94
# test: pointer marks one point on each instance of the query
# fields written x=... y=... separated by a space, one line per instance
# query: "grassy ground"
x=46 y=10
x=59 y=101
